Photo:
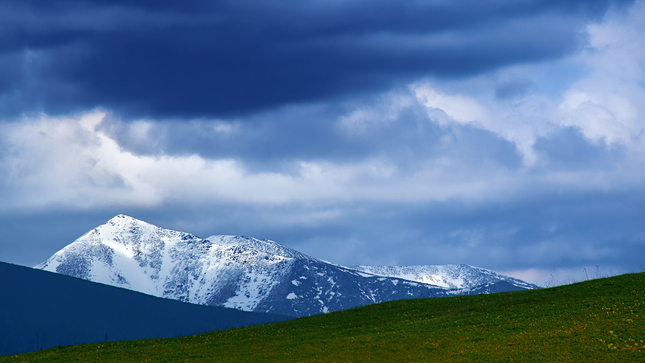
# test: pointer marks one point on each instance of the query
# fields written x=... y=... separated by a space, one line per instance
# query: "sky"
x=507 y=135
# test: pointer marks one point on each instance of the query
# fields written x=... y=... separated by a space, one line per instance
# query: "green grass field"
x=599 y=320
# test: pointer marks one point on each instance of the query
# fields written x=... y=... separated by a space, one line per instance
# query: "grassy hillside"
x=594 y=321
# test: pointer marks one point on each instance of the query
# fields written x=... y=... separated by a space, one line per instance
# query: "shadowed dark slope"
x=40 y=309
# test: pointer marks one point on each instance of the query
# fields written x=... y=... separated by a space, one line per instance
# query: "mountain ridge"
x=453 y=276
x=243 y=272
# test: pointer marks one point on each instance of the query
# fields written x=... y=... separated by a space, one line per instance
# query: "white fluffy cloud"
x=71 y=162
x=605 y=104
x=608 y=104
x=519 y=122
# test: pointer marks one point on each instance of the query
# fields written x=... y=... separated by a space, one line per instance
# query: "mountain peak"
x=121 y=219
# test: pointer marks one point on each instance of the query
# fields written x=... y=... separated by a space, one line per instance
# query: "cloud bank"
x=507 y=136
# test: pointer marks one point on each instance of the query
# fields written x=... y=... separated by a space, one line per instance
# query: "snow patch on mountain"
x=262 y=245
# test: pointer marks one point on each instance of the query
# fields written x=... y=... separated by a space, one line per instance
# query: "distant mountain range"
x=462 y=277
x=40 y=310
x=252 y=274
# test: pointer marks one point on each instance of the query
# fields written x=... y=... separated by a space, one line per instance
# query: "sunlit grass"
x=593 y=321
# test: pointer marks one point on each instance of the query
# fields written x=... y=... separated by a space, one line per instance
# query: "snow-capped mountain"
x=448 y=276
x=239 y=272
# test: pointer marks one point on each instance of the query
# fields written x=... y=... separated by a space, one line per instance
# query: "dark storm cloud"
x=213 y=59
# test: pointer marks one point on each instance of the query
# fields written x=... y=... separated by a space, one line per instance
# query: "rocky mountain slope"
x=243 y=273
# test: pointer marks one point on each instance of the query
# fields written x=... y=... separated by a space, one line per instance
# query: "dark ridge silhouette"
x=40 y=310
